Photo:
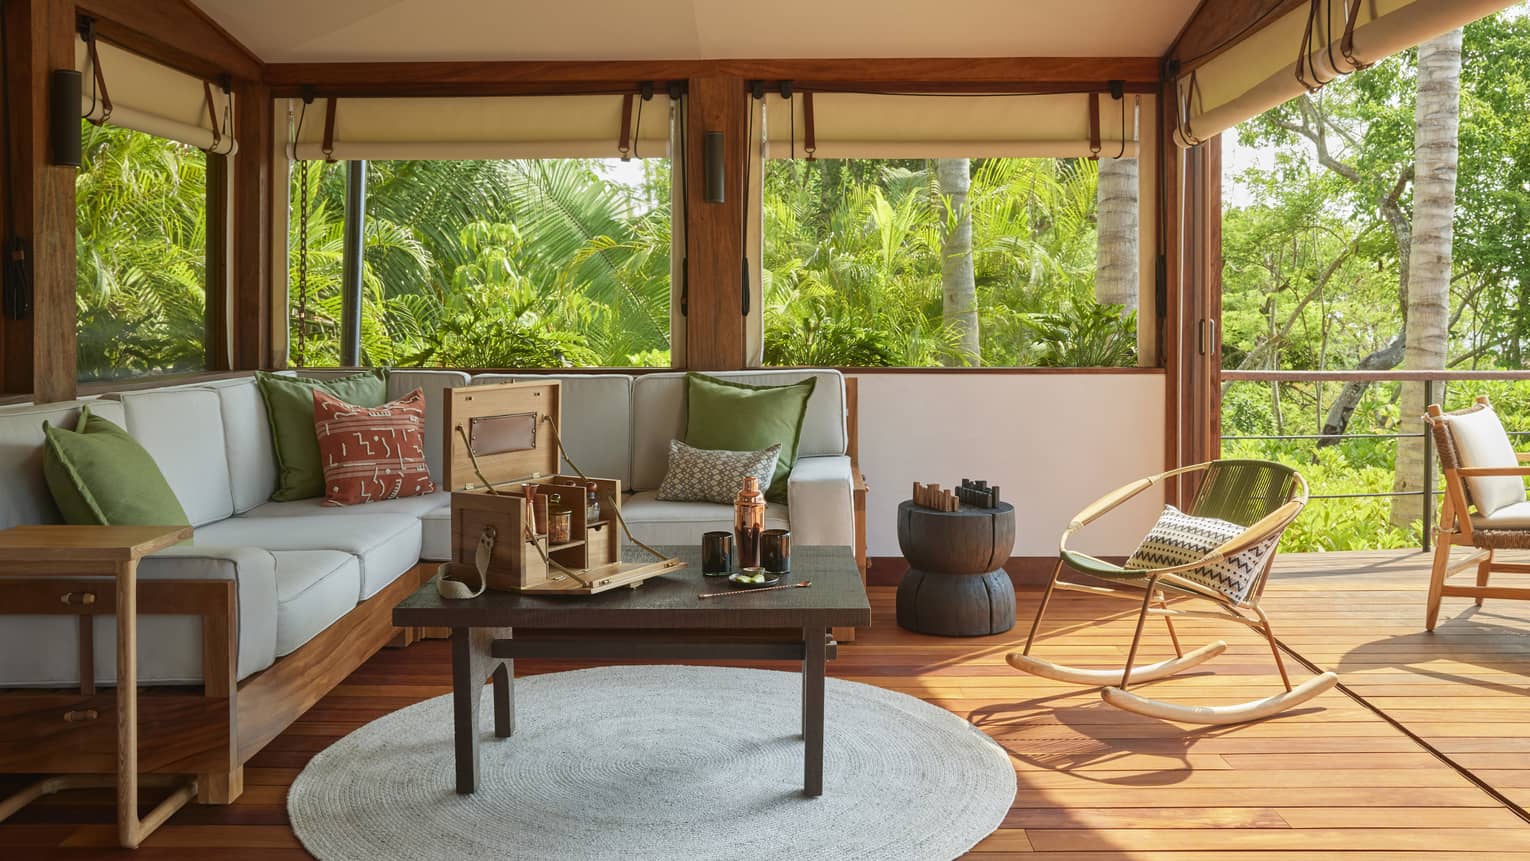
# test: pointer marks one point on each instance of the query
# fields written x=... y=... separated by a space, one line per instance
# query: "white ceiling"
x=397 y=30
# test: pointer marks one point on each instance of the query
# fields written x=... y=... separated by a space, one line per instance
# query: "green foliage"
x=1085 y=335
x=141 y=254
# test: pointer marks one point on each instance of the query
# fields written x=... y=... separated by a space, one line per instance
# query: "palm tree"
x=959 y=305
x=1436 y=152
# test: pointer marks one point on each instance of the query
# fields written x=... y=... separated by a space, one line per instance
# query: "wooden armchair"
x=1484 y=507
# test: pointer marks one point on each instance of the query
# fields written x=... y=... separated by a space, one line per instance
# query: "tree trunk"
x=1349 y=397
x=958 y=284
x=1435 y=151
x=1115 y=277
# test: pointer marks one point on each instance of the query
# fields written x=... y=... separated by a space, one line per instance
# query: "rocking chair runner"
x=1482 y=472
x=1265 y=498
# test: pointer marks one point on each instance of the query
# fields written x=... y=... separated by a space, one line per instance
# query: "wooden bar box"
x=512 y=430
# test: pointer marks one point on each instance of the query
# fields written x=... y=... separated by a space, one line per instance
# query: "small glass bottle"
x=591 y=505
x=748 y=522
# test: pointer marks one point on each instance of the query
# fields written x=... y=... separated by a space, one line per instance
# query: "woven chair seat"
x=1501 y=539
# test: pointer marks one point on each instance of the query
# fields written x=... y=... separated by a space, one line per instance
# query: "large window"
x=141 y=277
x=488 y=264
x=951 y=262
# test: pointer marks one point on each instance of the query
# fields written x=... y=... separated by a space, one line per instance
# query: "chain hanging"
x=302 y=315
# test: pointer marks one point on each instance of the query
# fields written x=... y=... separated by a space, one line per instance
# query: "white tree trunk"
x=1115 y=277
x=958 y=284
x=1435 y=151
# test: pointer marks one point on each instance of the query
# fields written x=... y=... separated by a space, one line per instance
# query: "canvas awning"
x=1313 y=43
x=874 y=125
x=571 y=126
x=145 y=96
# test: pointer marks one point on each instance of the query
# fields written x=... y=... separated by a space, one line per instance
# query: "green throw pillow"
x=289 y=409
x=740 y=417
x=101 y=476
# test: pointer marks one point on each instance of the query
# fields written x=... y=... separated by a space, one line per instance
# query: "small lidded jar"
x=560 y=520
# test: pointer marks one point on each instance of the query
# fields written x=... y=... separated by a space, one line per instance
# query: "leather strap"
x=1094 y=125
x=212 y=116
x=624 y=139
x=459 y=582
x=809 y=134
x=329 y=130
x=95 y=68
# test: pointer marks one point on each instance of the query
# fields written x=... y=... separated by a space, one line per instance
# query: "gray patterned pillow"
x=713 y=475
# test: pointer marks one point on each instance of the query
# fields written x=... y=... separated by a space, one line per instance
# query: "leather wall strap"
x=1347 y=43
x=95 y=68
x=1189 y=96
x=1094 y=125
x=624 y=139
x=329 y=130
x=809 y=135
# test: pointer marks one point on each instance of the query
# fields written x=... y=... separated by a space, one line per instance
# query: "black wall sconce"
x=64 y=118
x=713 y=164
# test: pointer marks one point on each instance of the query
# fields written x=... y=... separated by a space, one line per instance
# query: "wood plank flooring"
x=1095 y=783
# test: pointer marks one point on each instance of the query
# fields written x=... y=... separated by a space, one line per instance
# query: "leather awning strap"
x=212 y=115
x=1094 y=125
x=809 y=136
x=329 y=130
x=95 y=68
x=624 y=139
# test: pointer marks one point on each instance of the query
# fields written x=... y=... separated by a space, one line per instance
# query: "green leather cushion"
x=289 y=409
x=101 y=476
x=740 y=417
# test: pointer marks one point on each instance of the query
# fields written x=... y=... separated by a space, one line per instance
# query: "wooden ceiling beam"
x=1217 y=25
x=1040 y=74
x=173 y=32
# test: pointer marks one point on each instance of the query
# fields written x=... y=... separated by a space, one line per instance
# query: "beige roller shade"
x=154 y=99
x=1260 y=72
x=861 y=125
x=483 y=128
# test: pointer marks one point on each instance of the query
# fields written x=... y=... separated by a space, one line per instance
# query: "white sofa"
x=299 y=567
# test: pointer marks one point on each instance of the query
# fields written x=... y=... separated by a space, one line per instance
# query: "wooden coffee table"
x=661 y=620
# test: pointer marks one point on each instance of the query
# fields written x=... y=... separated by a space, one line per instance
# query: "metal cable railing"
x=1429 y=378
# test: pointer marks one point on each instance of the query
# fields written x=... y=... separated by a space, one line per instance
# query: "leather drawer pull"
x=78 y=715
x=83 y=599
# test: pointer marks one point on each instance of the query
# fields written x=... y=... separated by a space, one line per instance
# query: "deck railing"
x=1430 y=379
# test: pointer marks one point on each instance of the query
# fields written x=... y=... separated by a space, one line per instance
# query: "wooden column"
x=39 y=350
x=256 y=321
x=714 y=237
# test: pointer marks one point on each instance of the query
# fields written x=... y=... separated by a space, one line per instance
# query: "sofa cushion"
x=386 y=544
x=314 y=588
x=434 y=384
x=434 y=511
x=655 y=522
x=43 y=651
x=183 y=429
x=725 y=414
x=246 y=441
x=289 y=407
x=24 y=496
x=822 y=492
x=371 y=454
x=597 y=418
x=659 y=415
x=100 y=476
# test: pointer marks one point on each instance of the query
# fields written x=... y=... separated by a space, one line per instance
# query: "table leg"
x=467 y=689
x=504 y=699
x=815 y=656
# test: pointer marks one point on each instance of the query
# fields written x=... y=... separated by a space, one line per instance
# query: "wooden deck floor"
x=1095 y=784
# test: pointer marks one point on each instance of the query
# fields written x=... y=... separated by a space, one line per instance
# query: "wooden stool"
x=956 y=585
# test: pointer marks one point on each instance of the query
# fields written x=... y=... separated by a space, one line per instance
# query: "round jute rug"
x=660 y=762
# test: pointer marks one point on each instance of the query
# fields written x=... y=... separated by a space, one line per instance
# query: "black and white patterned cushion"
x=713 y=475
x=1179 y=539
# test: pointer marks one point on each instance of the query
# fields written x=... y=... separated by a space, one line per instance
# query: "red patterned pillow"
x=371 y=453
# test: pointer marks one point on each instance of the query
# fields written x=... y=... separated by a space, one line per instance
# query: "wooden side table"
x=956 y=585
x=71 y=552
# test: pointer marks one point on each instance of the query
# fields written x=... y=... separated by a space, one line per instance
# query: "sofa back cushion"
x=247 y=441
x=434 y=384
x=597 y=421
x=182 y=428
x=24 y=496
x=659 y=415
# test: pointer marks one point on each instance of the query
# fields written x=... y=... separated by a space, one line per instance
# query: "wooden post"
x=38 y=354
x=258 y=326
x=714 y=328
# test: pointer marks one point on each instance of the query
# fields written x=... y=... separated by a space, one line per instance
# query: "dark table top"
x=836 y=598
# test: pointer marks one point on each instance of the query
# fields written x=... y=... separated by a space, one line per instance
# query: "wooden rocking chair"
x=1264 y=497
x=1483 y=476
